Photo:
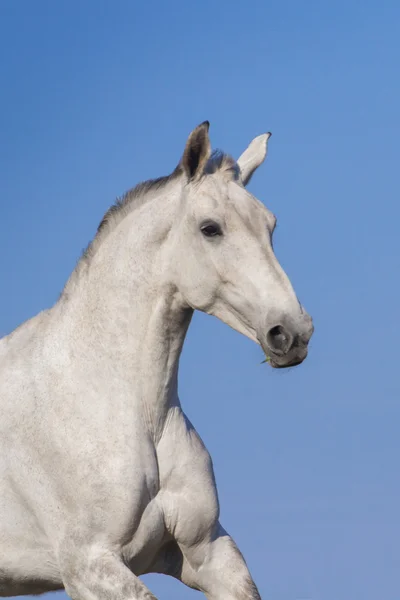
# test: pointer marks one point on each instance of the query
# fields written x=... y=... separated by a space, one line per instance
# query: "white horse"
x=102 y=476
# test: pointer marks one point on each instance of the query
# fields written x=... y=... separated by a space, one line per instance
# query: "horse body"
x=102 y=476
x=101 y=452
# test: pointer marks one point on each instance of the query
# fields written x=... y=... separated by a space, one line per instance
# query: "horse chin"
x=282 y=365
x=289 y=360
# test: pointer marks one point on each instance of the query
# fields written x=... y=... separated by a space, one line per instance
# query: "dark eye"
x=211 y=229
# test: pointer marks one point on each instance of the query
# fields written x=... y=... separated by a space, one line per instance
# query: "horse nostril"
x=279 y=340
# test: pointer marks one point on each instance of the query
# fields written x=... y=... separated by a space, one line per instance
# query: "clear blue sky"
x=96 y=96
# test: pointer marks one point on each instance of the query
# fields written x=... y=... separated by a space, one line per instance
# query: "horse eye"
x=211 y=230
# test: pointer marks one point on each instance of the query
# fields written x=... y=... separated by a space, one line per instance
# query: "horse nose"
x=308 y=328
x=279 y=339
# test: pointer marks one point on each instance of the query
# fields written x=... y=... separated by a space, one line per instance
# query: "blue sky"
x=96 y=96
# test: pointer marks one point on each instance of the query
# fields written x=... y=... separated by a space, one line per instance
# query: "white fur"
x=253 y=156
x=102 y=477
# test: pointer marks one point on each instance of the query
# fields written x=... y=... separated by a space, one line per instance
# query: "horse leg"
x=215 y=567
x=97 y=572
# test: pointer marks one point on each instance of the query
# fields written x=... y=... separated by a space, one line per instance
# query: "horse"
x=103 y=478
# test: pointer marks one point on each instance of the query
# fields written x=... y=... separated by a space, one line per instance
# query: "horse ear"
x=197 y=151
x=253 y=156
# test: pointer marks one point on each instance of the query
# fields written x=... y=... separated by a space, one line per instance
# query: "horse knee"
x=94 y=570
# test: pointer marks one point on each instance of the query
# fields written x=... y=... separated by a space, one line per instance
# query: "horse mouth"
x=293 y=363
x=292 y=359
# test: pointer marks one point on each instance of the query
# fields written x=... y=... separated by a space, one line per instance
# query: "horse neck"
x=124 y=316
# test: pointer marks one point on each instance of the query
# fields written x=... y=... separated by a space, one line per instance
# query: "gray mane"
x=219 y=161
x=131 y=199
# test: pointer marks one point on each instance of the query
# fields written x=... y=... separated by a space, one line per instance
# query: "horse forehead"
x=212 y=193
x=248 y=207
x=235 y=201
